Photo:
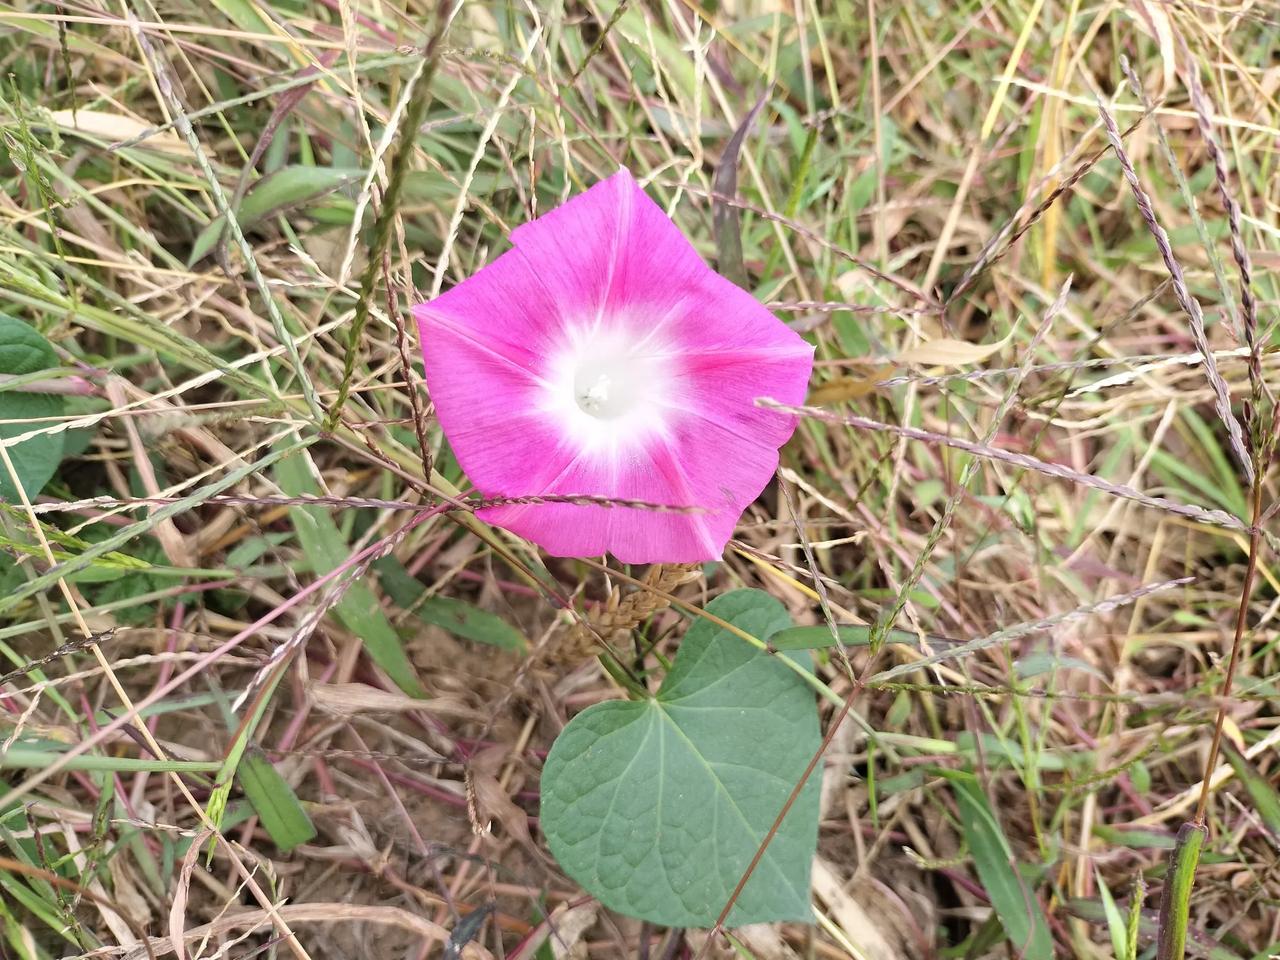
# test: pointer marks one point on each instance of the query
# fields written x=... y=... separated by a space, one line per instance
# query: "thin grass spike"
x=1189 y=304
x=1244 y=266
x=1218 y=518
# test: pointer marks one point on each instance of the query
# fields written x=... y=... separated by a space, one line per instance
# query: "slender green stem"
x=21 y=758
x=1175 y=901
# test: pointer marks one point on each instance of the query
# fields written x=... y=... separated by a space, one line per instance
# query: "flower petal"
x=612 y=254
x=721 y=319
x=723 y=388
x=487 y=404
x=632 y=535
x=504 y=306
x=605 y=295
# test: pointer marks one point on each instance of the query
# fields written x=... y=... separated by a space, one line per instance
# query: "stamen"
x=595 y=398
x=609 y=380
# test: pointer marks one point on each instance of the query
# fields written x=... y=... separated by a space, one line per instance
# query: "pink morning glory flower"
x=601 y=357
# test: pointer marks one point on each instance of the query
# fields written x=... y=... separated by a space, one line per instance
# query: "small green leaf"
x=1014 y=901
x=286 y=188
x=459 y=618
x=1117 y=925
x=274 y=801
x=23 y=350
x=1140 y=774
x=1266 y=802
x=657 y=807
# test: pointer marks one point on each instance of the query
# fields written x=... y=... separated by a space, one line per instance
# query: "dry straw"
x=613 y=621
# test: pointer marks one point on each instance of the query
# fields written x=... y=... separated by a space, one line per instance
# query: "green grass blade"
x=1117 y=925
x=459 y=618
x=1012 y=898
x=358 y=610
x=21 y=758
x=278 y=808
x=1266 y=801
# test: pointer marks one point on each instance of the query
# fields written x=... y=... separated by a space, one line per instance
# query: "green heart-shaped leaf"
x=23 y=350
x=657 y=807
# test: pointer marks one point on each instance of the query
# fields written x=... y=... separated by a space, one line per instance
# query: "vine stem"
x=1237 y=644
x=832 y=729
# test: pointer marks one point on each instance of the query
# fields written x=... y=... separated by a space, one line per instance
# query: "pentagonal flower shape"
x=601 y=357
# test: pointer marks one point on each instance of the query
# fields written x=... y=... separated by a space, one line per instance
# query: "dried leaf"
x=300 y=914
x=565 y=926
x=116 y=127
x=945 y=352
x=848 y=388
x=493 y=804
x=765 y=941
x=1152 y=20
x=862 y=928
x=178 y=910
x=127 y=897
x=570 y=924
x=351 y=699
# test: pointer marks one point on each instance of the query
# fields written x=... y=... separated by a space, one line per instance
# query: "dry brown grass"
x=886 y=200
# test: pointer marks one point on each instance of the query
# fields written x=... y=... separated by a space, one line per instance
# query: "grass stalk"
x=388 y=209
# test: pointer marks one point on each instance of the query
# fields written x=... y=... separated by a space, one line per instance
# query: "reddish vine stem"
x=832 y=728
x=402 y=348
x=1237 y=644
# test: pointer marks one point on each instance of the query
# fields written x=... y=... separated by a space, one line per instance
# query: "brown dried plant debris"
x=610 y=623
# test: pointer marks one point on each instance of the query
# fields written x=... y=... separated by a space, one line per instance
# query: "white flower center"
x=607 y=392
x=609 y=386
